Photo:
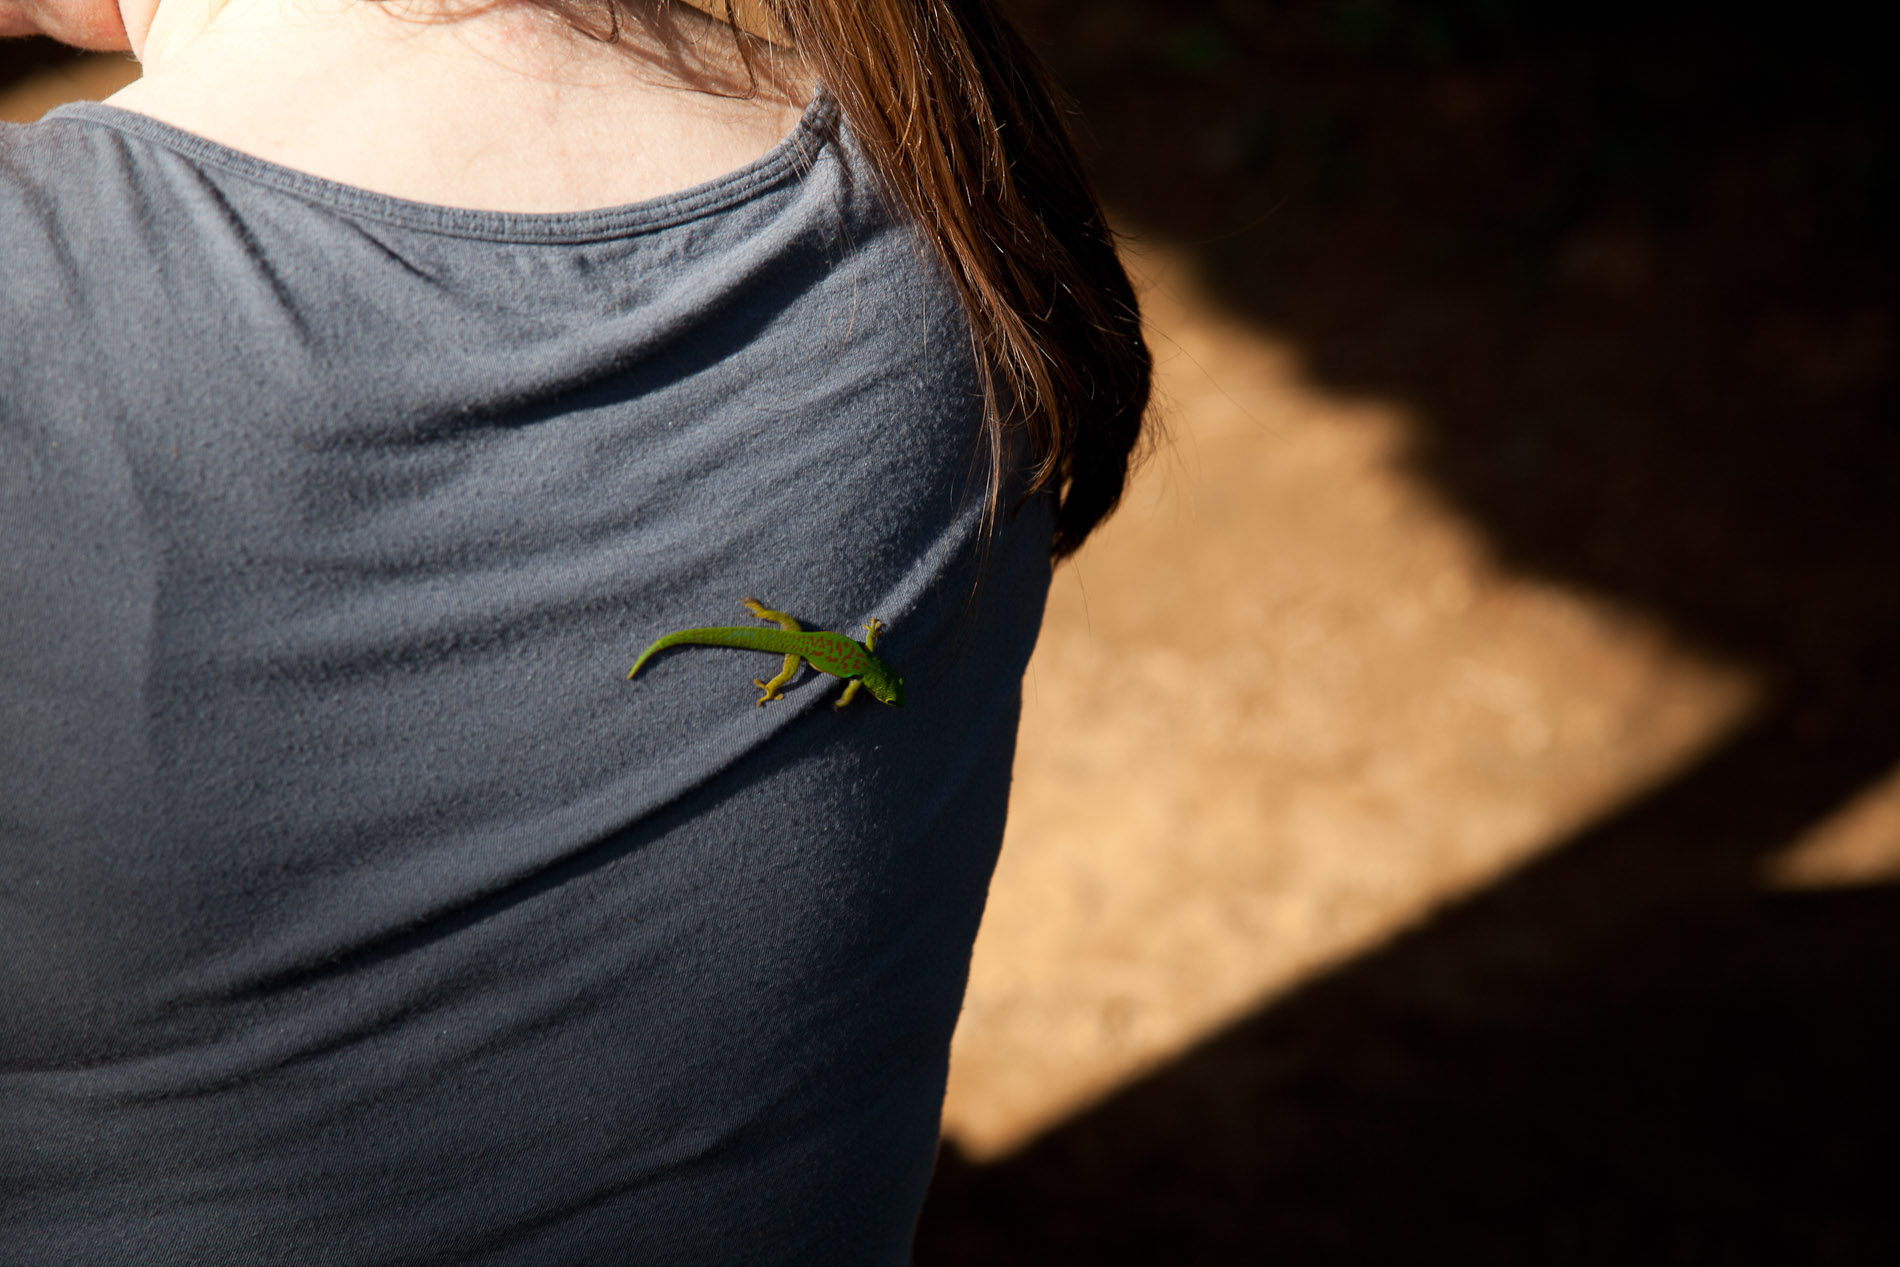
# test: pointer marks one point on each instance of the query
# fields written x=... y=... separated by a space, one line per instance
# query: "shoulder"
x=50 y=186
x=36 y=160
x=68 y=191
x=80 y=251
x=66 y=154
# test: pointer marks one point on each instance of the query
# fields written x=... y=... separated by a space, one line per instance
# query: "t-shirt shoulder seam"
x=789 y=159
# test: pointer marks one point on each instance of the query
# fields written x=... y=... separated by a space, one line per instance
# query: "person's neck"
x=503 y=108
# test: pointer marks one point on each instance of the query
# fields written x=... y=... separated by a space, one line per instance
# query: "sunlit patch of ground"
x=1282 y=708
x=1857 y=844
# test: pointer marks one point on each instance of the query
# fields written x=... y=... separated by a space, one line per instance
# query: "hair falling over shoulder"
x=961 y=122
x=963 y=126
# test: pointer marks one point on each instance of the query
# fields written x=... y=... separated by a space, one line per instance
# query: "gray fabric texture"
x=354 y=908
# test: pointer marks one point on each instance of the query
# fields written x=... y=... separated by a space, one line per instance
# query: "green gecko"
x=827 y=652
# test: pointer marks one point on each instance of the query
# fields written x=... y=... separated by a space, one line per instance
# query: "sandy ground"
x=1291 y=707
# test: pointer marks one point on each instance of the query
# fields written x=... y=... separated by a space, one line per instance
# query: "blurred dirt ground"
x=1457 y=816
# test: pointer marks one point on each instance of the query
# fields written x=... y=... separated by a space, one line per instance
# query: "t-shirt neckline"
x=790 y=158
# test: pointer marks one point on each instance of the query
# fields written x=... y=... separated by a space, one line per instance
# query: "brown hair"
x=958 y=119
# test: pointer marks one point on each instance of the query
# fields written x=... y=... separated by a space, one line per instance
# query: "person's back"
x=354 y=908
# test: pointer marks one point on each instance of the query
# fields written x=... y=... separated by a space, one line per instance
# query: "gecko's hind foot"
x=784 y=620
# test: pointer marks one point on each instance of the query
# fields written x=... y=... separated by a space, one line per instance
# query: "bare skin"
x=502 y=108
x=95 y=24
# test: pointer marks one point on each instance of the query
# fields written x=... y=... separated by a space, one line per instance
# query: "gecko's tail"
x=659 y=645
x=778 y=641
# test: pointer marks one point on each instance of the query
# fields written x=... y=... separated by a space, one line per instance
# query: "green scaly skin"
x=831 y=653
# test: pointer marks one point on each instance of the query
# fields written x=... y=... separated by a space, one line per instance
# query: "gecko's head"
x=884 y=684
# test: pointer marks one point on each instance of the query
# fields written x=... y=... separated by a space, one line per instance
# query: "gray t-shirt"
x=354 y=908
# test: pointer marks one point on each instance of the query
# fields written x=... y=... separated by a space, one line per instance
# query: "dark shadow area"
x=1628 y=1052
x=19 y=58
x=1632 y=267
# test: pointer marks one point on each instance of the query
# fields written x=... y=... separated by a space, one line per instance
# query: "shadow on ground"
x=1626 y=1053
x=1633 y=272
x=21 y=57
